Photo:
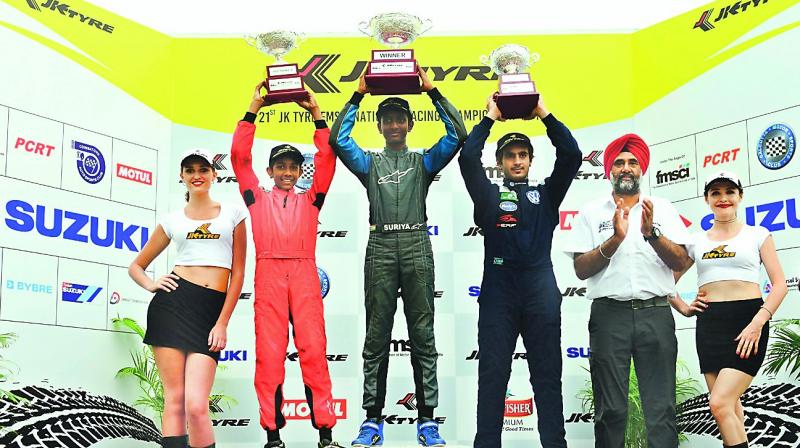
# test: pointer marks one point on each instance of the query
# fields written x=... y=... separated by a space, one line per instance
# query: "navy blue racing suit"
x=519 y=294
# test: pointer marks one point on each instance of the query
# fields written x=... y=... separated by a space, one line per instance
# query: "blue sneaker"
x=369 y=434
x=428 y=434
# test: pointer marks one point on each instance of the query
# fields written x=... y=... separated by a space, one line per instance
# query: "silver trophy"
x=395 y=29
x=284 y=82
x=516 y=96
x=275 y=43
x=510 y=59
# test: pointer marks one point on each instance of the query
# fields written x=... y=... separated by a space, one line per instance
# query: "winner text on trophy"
x=284 y=82
x=517 y=95
x=395 y=71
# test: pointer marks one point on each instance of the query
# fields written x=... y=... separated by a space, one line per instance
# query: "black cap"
x=394 y=103
x=512 y=138
x=286 y=150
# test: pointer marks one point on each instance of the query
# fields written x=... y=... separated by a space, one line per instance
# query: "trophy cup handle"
x=485 y=60
x=535 y=58
x=251 y=40
x=427 y=24
x=364 y=28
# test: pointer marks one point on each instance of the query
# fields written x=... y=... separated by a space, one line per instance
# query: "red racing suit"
x=287 y=289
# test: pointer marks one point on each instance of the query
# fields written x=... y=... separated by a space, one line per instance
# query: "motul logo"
x=566 y=218
x=134 y=174
x=300 y=410
x=519 y=408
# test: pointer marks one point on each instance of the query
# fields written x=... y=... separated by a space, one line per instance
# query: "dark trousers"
x=401 y=261
x=514 y=302
x=617 y=332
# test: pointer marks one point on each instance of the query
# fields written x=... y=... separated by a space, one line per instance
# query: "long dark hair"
x=191 y=160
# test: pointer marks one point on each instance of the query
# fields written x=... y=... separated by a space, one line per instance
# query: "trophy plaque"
x=516 y=96
x=284 y=82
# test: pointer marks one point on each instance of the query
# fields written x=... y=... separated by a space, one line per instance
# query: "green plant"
x=784 y=348
x=635 y=429
x=6 y=339
x=146 y=373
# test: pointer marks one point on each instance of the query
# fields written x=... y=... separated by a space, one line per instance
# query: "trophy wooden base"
x=516 y=105
x=393 y=83
x=287 y=96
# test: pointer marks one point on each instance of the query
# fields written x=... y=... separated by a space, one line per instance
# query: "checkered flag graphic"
x=775 y=147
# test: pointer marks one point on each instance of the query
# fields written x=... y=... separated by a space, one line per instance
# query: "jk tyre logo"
x=91 y=163
x=202 y=233
x=313 y=73
x=732 y=10
x=776 y=146
x=65 y=10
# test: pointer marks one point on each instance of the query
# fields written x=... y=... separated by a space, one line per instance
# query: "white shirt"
x=635 y=270
x=204 y=242
x=738 y=258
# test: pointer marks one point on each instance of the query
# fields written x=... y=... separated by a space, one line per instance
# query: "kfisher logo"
x=517 y=408
x=769 y=216
x=202 y=233
x=24 y=217
x=566 y=218
x=91 y=163
x=718 y=252
x=66 y=11
x=300 y=410
x=34 y=147
x=73 y=292
x=681 y=172
x=704 y=23
x=36 y=288
x=720 y=158
x=134 y=174
x=295 y=356
x=233 y=356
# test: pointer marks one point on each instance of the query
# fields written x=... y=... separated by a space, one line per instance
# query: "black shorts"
x=717 y=328
x=183 y=318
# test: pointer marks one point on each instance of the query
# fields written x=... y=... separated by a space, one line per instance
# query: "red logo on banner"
x=721 y=157
x=35 y=147
x=519 y=408
x=300 y=410
x=566 y=217
x=134 y=174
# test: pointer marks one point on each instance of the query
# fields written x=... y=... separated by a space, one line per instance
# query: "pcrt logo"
x=34 y=147
x=91 y=163
x=726 y=156
x=704 y=23
x=776 y=146
x=68 y=225
x=300 y=410
x=324 y=281
x=772 y=219
x=73 y=292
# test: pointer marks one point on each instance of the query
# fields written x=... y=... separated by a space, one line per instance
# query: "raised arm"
x=241 y=149
x=324 y=159
x=440 y=154
x=354 y=158
x=568 y=155
x=469 y=161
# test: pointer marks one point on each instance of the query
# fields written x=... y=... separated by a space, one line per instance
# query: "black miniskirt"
x=717 y=328
x=183 y=318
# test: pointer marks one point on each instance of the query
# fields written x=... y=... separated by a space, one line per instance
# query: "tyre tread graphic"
x=55 y=418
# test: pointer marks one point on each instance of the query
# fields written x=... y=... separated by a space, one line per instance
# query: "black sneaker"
x=328 y=444
x=275 y=444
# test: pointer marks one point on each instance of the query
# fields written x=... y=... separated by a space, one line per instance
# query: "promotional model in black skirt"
x=188 y=317
x=732 y=318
